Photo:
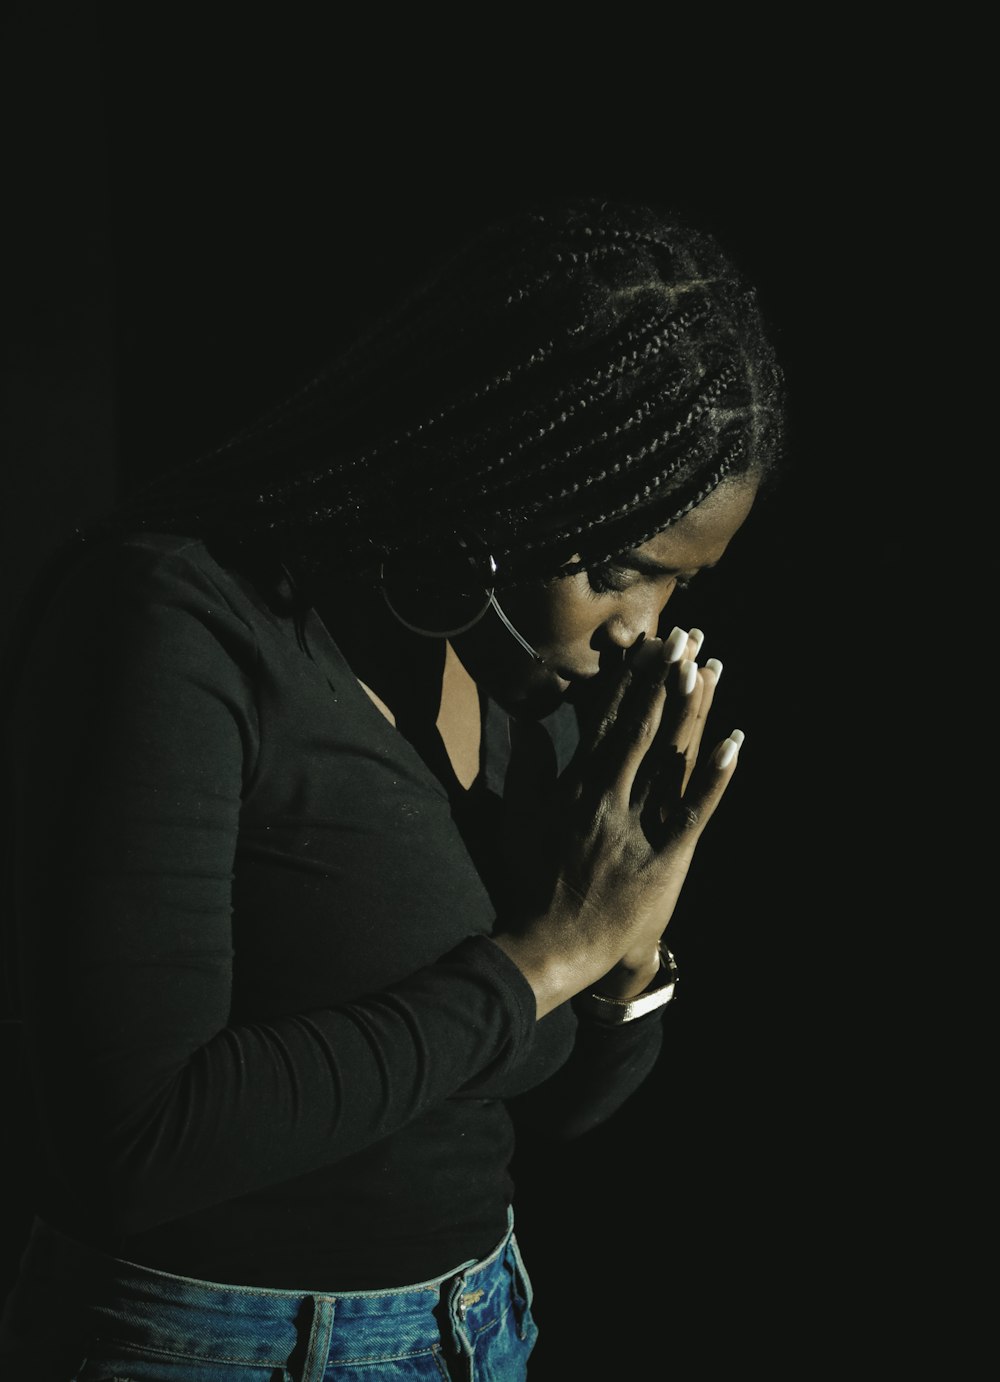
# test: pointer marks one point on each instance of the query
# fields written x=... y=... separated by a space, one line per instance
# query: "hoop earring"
x=487 y=597
x=486 y=600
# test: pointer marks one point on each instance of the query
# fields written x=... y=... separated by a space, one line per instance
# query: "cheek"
x=665 y=620
x=563 y=614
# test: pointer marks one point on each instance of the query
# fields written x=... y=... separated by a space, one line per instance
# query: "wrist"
x=610 y=1011
x=631 y=976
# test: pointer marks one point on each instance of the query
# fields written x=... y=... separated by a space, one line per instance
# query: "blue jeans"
x=76 y=1315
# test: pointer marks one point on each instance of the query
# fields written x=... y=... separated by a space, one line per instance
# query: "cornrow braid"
x=585 y=371
x=587 y=533
x=646 y=411
x=574 y=394
x=588 y=392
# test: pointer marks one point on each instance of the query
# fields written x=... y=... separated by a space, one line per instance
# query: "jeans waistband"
x=175 y=1317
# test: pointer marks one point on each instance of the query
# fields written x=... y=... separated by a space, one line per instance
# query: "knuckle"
x=606 y=819
x=605 y=724
x=644 y=728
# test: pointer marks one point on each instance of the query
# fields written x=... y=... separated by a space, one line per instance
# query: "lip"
x=570 y=677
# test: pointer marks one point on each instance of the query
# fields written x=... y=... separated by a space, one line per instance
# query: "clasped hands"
x=596 y=856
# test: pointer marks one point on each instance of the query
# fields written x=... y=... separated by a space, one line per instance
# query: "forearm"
x=260 y=1103
x=607 y=1066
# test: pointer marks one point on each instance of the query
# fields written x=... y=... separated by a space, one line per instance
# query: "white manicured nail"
x=698 y=637
x=737 y=737
x=675 y=643
x=726 y=752
x=688 y=676
x=714 y=665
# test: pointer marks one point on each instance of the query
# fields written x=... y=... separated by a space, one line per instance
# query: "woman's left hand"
x=531 y=794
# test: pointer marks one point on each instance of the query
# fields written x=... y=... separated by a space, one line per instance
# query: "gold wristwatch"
x=616 y=1010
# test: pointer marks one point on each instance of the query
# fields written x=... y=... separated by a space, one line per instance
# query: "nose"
x=635 y=619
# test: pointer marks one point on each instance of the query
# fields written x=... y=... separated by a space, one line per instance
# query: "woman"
x=358 y=775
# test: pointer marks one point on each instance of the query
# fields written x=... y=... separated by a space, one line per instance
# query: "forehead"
x=701 y=536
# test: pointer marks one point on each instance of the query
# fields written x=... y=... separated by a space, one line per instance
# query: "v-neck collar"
x=321 y=647
x=308 y=636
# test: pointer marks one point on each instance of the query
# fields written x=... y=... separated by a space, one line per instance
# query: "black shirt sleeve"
x=135 y=741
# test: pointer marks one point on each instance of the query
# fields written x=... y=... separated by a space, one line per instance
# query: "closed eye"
x=618 y=576
x=609 y=576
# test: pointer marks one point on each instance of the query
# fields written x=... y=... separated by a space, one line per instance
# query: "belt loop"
x=456 y=1312
x=317 y=1345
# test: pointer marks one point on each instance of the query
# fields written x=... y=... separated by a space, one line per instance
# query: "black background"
x=206 y=208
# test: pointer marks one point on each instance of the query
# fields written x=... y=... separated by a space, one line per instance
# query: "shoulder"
x=153 y=562
x=135 y=571
x=144 y=598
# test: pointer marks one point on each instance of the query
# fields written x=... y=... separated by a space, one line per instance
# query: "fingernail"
x=699 y=638
x=737 y=737
x=688 y=676
x=675 y=643
x=726 y=752
x=714 y=665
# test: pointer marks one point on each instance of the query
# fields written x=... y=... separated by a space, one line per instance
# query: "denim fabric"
x=79 y=1316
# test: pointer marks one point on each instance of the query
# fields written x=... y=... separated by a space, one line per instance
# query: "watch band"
x=617 y=1010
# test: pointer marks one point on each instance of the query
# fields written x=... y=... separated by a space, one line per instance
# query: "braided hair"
x=569 y=382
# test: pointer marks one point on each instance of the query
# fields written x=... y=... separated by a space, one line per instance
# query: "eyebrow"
x=653 y=568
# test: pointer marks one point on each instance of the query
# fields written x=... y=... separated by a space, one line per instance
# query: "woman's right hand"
x=613 y=837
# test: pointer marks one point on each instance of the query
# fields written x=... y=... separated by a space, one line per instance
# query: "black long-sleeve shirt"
x=269 y=1038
